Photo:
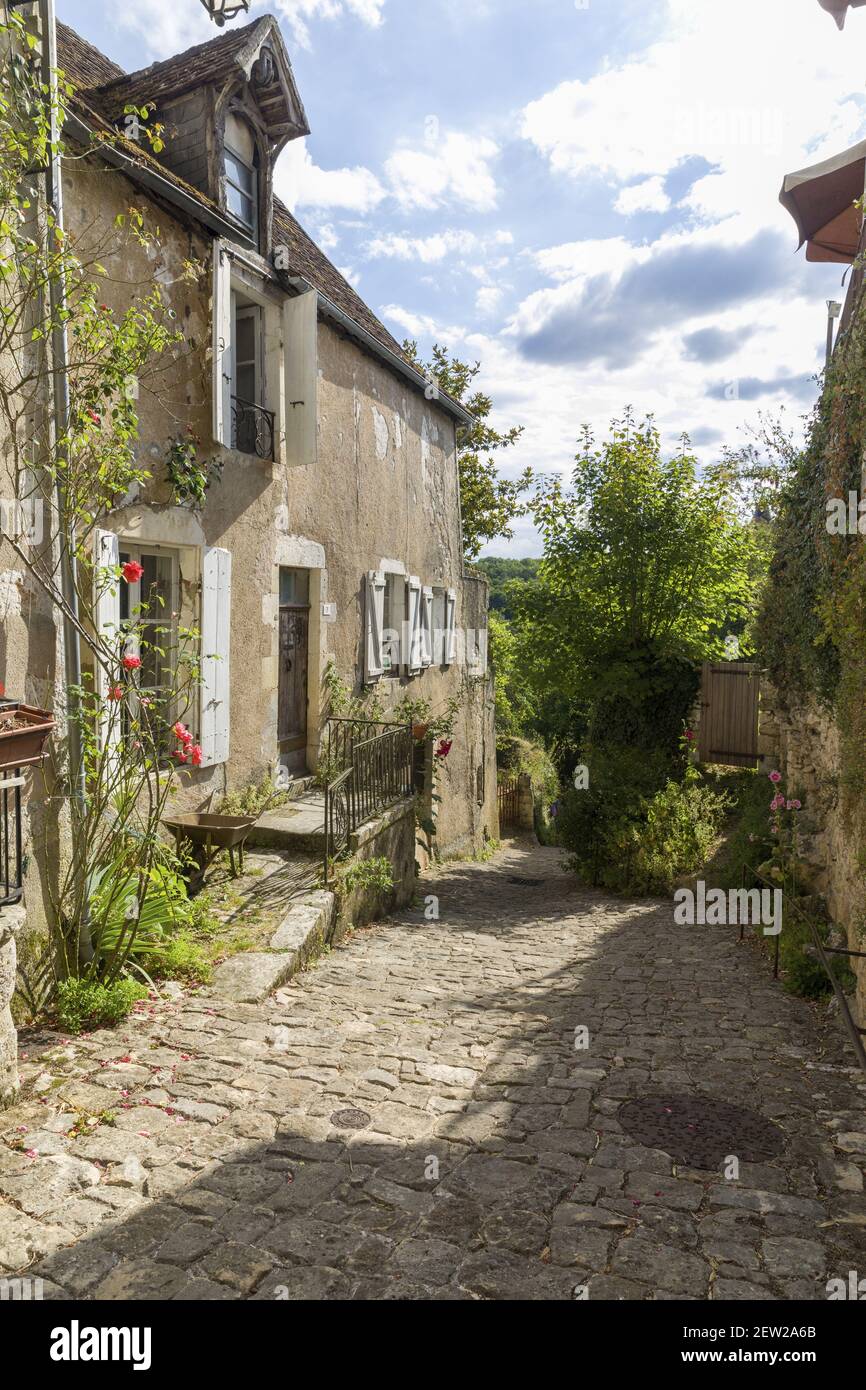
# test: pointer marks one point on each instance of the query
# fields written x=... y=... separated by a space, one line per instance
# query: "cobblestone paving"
x=487 y=1163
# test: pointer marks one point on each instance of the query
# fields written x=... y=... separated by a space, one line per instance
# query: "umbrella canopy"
x=821 y=200
x=839 y=8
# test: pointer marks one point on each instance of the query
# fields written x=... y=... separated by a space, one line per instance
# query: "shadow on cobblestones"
x=490 y=1163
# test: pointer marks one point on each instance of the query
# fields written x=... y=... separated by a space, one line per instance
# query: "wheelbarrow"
x=206 y=836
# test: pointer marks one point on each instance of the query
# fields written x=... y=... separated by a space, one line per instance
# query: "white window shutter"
x=450 y=626
x=223 y=345
x=106 y=619
x=301 y=363
x=216 y=598
x=374 y=626
x=414 y=625
x=426 y=626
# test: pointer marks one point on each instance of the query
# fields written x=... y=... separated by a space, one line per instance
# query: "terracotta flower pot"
x=24 y=731
x=419 y=731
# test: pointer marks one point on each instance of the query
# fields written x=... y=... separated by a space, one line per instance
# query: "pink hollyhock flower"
x=132 y=663
x=797 y=805
x=132 y=571
x=775 y=776
x=689 y=735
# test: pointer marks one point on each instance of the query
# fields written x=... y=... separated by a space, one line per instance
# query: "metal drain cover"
x=700 y=1131
x=350 y=1119
x=527 y=882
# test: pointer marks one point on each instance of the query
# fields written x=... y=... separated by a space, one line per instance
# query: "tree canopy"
x=489 y=503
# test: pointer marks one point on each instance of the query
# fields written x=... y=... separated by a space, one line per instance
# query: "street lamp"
x=839 y=9
x=221 y=10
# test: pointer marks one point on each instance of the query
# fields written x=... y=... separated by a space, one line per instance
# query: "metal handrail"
x=378 y=774
x=855 y=1033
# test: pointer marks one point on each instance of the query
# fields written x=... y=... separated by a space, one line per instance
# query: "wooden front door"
x=294 y=662
x=729 y=713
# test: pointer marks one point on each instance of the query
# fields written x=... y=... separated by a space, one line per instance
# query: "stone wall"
x=802 y=741
x=391 y=836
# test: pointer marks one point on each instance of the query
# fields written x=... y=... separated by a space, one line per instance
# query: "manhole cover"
x=527 y=882
x=350 y=1119
x=700 y=1131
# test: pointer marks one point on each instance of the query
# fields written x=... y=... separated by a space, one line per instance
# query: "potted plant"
x=24 y=731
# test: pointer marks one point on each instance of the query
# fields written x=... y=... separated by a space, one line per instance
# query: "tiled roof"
x=104 y=89
x=83 y=64
x=305 y=259
x=205 y=63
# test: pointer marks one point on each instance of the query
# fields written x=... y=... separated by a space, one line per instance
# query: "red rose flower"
x=116 y=692
x=132 y=571
x=444 y=748
x=131 y=663
x=196 y=754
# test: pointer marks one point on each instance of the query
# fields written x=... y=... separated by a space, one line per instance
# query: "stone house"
x=329 y=542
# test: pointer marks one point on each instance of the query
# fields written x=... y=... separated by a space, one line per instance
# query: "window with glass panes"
x=241 y=188
x=149 y=613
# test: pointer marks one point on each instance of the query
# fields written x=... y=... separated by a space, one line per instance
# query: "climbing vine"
x=812 y=627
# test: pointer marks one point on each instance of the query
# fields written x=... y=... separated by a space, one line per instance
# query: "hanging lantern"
x=221 y=10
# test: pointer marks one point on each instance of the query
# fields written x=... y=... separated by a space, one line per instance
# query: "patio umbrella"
x=821 y=200
x=839 y=8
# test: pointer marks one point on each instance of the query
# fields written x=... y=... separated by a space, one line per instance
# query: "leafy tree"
x=501 y=573
x=489 y=503
x=646 y=567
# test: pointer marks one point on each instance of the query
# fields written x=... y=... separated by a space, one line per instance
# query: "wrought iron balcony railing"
x=252 y=429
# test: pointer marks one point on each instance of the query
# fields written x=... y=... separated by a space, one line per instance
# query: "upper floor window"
x=241 y=172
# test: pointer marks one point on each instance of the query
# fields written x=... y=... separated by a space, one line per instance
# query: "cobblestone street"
x=411 y=1119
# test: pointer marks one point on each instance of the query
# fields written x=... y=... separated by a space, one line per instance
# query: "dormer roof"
x=254 y=53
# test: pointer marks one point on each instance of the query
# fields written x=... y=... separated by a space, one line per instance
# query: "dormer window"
x=241 y=173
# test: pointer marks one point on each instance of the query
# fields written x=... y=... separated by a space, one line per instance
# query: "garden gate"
x=728 y=731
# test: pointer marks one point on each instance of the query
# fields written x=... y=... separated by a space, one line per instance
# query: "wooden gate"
x=508 y=802
x=729 y=713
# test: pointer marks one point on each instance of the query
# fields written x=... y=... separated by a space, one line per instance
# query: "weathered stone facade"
x=366 y=484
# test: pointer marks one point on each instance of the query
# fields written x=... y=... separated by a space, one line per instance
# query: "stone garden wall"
x=803 y=742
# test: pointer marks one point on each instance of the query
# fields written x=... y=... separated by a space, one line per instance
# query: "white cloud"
x=300 y=13
x=449 y=169
x=741 y=84
x=422 y=325
x=164 y=27
x=647 y=196
x=435 y=248
x=489 y=299
x=302 y=184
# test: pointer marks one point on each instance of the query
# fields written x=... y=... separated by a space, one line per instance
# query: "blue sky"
x=582 y=196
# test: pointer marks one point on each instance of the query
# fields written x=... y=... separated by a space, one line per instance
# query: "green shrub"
x=86 y=1005
x=638 y=827
x=182 y=958
x=253 y=800
x=377 y=874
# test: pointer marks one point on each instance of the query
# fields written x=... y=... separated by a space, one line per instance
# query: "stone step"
x=250 y=977
x=300 y=824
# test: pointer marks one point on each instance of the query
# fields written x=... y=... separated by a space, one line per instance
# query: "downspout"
x=60 y=379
